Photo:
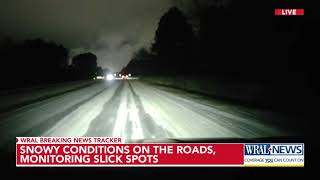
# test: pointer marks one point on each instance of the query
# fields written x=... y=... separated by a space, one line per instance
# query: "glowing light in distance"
x=110 y=77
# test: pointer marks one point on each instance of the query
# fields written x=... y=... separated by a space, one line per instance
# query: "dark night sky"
x=112 y=29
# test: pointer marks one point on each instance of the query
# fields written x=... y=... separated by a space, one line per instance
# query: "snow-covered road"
x=134 y=110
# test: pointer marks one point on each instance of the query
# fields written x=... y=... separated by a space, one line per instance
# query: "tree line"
x=37 y=61
x=242 y=40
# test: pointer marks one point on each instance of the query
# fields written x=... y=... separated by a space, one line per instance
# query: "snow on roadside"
x=23 y=97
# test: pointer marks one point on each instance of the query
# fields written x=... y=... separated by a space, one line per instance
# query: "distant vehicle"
x=98 y=78
x=115 y=74
x=125 y=76
x=121 y=75
x=110 y=77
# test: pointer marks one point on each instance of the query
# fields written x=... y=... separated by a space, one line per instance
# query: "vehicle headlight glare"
x=110 y=77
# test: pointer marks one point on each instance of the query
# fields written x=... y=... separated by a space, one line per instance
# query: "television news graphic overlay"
x=289 y=12
x=87 y=151
x=108 y=151
x=282 y=155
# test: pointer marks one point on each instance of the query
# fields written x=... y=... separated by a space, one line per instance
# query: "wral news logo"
x=274 y=155
x=274 y=149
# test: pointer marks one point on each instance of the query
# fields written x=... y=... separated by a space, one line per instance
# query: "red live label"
x=289 y=12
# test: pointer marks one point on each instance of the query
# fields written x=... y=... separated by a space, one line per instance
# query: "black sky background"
x=112 y=29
